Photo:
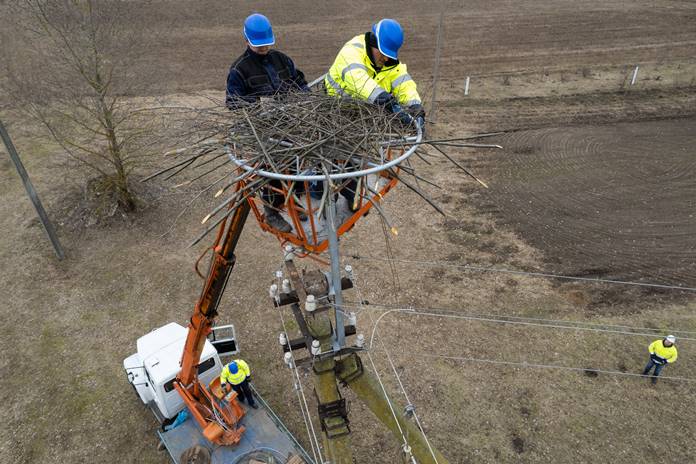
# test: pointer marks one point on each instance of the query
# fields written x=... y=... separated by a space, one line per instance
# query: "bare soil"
x=594 y=179
x=613 y=201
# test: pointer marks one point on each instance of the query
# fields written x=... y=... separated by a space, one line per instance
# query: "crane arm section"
x=221 y=265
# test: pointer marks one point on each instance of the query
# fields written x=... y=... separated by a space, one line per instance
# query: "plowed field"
x=596 y=178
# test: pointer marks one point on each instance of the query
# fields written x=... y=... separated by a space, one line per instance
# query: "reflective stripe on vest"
x=375 y=94
x=334 y=84
x=412 y=102
x=351 y=67
x=400 y=80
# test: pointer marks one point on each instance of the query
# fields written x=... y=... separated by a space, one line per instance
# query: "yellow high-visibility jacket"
x=668 y=353
x=235 y=379
x=353 y=74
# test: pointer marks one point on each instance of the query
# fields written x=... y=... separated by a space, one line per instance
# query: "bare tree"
x=71 y=66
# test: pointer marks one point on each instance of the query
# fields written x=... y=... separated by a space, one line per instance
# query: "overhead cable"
x=517 y=320
x=474 y=268
x=396 y=374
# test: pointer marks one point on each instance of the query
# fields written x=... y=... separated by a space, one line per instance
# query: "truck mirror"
x=224 y=339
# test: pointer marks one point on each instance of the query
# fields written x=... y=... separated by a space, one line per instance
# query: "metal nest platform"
x=271 y=153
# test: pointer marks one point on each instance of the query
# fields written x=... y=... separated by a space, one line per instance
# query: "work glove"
x=386 y=100
x=418 y=114
x=417 y=111
x=405 y=118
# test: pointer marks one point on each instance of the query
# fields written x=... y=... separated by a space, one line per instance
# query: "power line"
x=306 y=415
x=384 y=391
x=386 y=396
x=412 y=309
x=520 y=364
x=549 y=323
x=563 y=321
x=300 y=391
x=301 y=398
x=396 y=374
x=551 y=366
x=470 y=267
x=408 y=400
x=516 y=320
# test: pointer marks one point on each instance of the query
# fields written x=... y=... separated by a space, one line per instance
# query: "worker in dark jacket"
x=263 y=72
x=662 y=352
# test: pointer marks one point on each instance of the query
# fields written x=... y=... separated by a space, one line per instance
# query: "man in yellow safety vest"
x=662 y=352
x=237 y=374
x=368 y=68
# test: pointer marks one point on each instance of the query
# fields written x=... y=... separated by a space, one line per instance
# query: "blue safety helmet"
x=233 y=367
x=258 y=30
x=390 y=37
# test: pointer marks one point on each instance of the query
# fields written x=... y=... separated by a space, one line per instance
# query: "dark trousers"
x=273 y=198
x=649 y=366
x=350 y=185
x=276 y=199
x=349 y=190
x=244 y=392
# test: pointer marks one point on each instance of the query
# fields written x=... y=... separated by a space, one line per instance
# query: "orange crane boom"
x=217 y=418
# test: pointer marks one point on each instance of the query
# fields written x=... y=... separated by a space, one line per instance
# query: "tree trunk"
x=125 y=197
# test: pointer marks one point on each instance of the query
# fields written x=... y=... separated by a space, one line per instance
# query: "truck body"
x=152 y=371
x=154 y=367
x=266 y=439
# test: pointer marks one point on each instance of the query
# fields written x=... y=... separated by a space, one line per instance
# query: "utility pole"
x=436 y=66
x=31 y=192
x=335 y=289
x=314 y=297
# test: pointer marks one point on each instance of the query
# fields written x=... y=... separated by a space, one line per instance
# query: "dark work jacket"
x=252 y=76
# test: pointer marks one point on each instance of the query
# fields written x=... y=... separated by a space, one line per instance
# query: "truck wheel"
x=196 y=455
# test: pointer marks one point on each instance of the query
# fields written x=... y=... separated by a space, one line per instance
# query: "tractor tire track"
x=614 y=201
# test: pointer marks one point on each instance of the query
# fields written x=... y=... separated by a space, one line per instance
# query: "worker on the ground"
x=237 y=374
x=263 y=72
x=368 y=68
x=662 y=352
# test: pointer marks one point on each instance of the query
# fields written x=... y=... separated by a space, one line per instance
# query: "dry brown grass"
x=67 y=326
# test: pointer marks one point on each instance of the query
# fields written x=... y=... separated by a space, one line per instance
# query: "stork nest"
x=298 y=133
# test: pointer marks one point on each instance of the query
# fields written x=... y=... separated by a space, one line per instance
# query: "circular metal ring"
x=338 y=176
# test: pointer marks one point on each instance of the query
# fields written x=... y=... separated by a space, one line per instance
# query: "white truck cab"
x=152 y=369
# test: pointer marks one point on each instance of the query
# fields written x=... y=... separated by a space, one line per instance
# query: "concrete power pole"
x=31 y=192
x=316 y=302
